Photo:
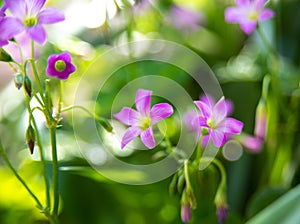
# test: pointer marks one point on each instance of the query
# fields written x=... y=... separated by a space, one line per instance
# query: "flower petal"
x=242 y=3
x=10 y=27
x=3 y=42
x=50 y=15
x=65 y=56
x=34 y=6
x=254 y=144
x=219 y=111
x=218 y=137
x=233 y=126
x=142 y=101
x=147 y=138
x=17 y=7
x=127 y=116
x=266 y=14
x=229 y=107
x=259 y=4
x=234 y=15
x=204 y=108
x=248 y=26
x=129 y=135
x=37 y=33
x=160 y=111
x=208 y=100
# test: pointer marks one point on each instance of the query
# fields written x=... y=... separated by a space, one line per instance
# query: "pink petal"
x=229 y=107
x=160 y=111
x=17 y=8
x=248 y=26
x=129 y=135
x=242 y=3
x=219 y=111
x=234 y=15
x=37 y=33
x=208 y=100
x=127 y=116
x=142 y=101
x=190 y=119
x=3 y=43
x=266 y=14
x=254 y=144
x=147 y=138
x=218 y=137
x=34 y=6
x=10 y=27
x=50 y=15
x=65 y=56
x=233 y=126
x=259 y=4
x=204 y=108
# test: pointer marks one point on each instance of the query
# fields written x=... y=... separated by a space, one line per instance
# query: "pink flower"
x=142 y=120
x=60 y=66
x=253 y=143
x=248 y=13
x=213 y=119
x=28 y=15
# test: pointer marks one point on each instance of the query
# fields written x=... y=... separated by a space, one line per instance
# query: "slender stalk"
x=55 y=172
x=199 y=149
x=186 y=175
x=6 y=160
x=36 y=75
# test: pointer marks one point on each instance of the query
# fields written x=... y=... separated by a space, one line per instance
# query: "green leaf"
x=284 y=210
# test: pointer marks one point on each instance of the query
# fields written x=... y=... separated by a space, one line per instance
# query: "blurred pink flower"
x=253 y=143
x=248 y=13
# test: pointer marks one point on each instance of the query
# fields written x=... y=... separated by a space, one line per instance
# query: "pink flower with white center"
x=29 y=16
x=142 y=120
x=213 y=118
x=248 y=13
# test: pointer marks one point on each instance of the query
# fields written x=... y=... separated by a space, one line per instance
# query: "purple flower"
x=28 y=15
x=186 y=212
x=2 y=15
x=60 y=66
x=248 y=13
x=185 y=18
x=213 y=119
x=142 y=120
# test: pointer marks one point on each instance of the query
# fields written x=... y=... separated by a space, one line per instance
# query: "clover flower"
x=213 y=120
x=60 y=66
x=28 y=15
x=142 y=120
x=248 y=13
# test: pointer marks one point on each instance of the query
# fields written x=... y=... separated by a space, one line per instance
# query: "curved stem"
x=6 y=160
x=36 y=75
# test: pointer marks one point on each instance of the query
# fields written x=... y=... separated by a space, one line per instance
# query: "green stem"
x=36 y=75
x=55 y=171
x=199 y=149
x=186 y=175
x=266 y=42
x=6 y=160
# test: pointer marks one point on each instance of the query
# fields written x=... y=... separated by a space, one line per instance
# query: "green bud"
x=30 y=138
x=173 y=185
x=104 y=123
x=28 y=88
x=180 y=183
x=4 y=56
x=19 y=79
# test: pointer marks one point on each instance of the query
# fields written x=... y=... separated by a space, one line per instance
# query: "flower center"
x=211 y=123
x=145 y=124
x=253 y=16
x=30 y=21
x=60 y=65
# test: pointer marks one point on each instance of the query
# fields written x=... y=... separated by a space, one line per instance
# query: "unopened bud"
x=180 y=183
x=30 y=138
x=4 y=56
x=221 y=204
x=261 y=119
x=222 y=212
x=18 y=80
x=186 y=208
x=104 y=123
x=28 y=87
x=173 y=185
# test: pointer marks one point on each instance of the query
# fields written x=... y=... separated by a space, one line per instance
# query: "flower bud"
x=104 y=123
x=261 y=119
x=221 y=204
x=173 y=185
x=4 y=56
x=222 y=212
x=186 y=208
x=18 y=80
x=30 y=138
x=180 y=183
x=28 y=88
